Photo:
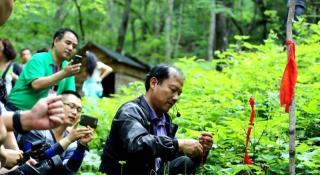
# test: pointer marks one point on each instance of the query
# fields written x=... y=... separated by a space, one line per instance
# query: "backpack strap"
x=5 y=72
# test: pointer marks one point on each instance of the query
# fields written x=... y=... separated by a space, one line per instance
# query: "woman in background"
x=9 y=71
x=96 y=71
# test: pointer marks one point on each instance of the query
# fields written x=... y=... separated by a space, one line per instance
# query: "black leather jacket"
x=132 y=143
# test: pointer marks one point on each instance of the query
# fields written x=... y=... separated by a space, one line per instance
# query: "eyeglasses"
x=74 y=106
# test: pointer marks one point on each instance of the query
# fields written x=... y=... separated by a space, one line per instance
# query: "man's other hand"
x=47 y=113
x=190 y=147
x=206 y=141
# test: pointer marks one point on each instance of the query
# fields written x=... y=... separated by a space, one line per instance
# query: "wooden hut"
x=125 y=69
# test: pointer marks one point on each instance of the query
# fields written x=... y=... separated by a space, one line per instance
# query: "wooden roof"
x=117 y=57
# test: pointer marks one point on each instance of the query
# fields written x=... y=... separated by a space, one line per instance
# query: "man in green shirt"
x=47 y=73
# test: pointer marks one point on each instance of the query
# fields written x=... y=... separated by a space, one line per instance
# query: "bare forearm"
x=11 y=142
x=3 y=131
x=65 y=142
x=25 y=120
x=48 y=81
x=106 y=71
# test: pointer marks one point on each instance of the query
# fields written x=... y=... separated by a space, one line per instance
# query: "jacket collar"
x=170 y=127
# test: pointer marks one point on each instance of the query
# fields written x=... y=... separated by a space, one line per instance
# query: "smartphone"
x=86 y=120
x=77 y=59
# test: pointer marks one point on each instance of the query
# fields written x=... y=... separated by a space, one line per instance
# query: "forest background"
x=229 y=50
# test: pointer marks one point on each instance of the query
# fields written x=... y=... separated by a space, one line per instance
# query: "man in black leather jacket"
x=142 y=138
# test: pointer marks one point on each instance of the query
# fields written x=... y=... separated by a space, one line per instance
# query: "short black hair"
x=8 y=50
x=70 y=92
x=60 y=33
x=23 y=49
x=160 y=72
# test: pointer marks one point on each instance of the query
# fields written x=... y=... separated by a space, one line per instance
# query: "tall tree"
x=123 y=27
x=222 y=41
x=59 y=17
x=110 y=23
x=80 y=19
x=169 y=17
x=212 y=31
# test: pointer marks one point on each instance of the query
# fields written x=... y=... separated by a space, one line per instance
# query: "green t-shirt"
x=22 y=96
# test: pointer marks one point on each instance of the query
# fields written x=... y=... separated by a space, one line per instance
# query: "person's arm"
x=105 y=70
x=46 y=113
x=51 y=80
x=73 y=136
x=74 y=157
x=3 y=131
x=11 y=142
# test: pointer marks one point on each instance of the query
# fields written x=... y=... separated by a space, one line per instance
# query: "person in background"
x=25 y=54
x=61 y=141
x=9 y=70
x=96 y=71
x=47 y=73
x=142 y=137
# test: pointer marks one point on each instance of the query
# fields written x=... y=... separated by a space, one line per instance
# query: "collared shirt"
x=159 y=128
x=158 y=123
x=22 y=96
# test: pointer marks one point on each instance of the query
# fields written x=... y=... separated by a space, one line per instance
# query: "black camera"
x=36 y=150
x=45 y=164
x=42 y=168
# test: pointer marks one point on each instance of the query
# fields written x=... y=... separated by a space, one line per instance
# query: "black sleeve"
x=17 y=69
x=138 y=141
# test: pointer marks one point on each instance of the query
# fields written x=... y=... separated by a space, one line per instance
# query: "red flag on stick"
x=289 y=78
x=247 y=159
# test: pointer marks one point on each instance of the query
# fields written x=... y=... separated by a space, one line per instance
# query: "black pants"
x=181 y=165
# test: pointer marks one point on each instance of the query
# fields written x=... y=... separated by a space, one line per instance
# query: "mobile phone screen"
x=77 y=59
x=87 y=120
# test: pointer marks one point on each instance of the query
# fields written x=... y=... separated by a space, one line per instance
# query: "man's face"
x=5 y=10
x=165 y=94
x=66 y=46
x=25 y=55
x=72 y=109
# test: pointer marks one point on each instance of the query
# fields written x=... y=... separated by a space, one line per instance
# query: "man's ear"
x=153 y=82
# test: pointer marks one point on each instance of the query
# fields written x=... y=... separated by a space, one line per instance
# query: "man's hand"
x=74 y=134
x=13 y=157
x=72 y=69
x=87 y=137
x=47 y=113
x=78 y=133
x=206 y=141
x=190 y=147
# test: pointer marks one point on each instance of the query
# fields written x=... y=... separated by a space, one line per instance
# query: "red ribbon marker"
x=289 y=78
x=247 y=159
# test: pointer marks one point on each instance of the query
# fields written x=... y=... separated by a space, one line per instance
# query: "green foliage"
x=218 y=102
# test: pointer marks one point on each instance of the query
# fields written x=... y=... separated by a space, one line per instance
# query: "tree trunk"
x=123 y=27
x=221 y=32
x=83 y=34
x=176 y=44
x=111 y=24
x=169 y=30
x=133 y=33
x=144 y=25
x=292 y=118
x=212 y=31
x=58 y=17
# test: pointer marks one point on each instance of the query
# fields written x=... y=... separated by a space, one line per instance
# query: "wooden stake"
x=292 y=118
